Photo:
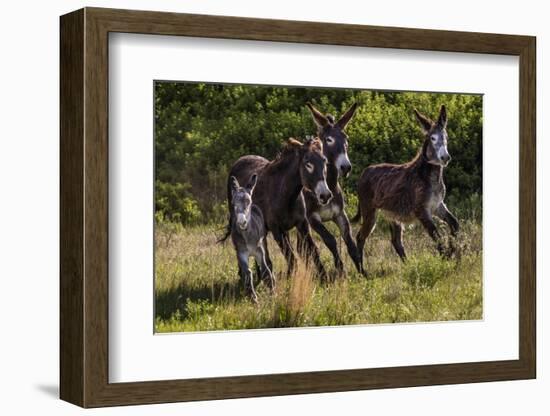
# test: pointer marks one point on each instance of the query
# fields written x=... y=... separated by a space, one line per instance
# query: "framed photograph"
x=255 y=207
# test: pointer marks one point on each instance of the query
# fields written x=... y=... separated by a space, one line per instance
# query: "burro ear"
x=318 y=117
x=251 y=184
x=424 y=121
x=442 y=119
x=346 y=118
x=234 y=183
x=293 y=143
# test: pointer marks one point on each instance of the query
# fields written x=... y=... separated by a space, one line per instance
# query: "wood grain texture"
x=84 y=207
x=527 y=207
x=96 y=265
x=162 y=23
x=71 y=185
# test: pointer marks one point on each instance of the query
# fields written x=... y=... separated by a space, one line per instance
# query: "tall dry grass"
x=292 y=296
x=197 y=286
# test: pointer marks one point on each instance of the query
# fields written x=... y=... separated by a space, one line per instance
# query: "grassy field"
x=197 y=287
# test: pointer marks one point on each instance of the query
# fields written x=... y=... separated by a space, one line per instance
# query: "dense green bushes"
x=201 y=129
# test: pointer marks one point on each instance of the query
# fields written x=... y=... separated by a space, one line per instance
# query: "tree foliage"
x=201 y=129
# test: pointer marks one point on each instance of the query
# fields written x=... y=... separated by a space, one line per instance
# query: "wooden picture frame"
x=84 y=207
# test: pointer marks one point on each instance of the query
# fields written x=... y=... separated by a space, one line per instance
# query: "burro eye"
x=330 y=140
x=309 y=167
x=434 y=138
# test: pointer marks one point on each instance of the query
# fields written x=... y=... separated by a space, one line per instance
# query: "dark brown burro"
x=335 y=149
x=278 y=193
x=412 y=191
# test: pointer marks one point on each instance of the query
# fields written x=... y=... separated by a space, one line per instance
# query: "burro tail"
x=224 y=238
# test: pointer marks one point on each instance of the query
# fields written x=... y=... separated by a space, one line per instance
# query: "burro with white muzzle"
x=278 y=194
x=411 y=191
x=335 y=148
x=248 y=233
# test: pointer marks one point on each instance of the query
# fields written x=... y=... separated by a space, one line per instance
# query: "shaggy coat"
x=248 y=234
x=278 y=194
x=335 y=149
x=412 y=191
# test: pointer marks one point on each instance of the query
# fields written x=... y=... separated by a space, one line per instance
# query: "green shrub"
x=201 y=129
x=173 y=203
x=467 y=206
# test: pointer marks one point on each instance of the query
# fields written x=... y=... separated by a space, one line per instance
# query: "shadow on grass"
x=168 y=302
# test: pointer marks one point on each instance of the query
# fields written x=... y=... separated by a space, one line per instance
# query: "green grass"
x=197 y=287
